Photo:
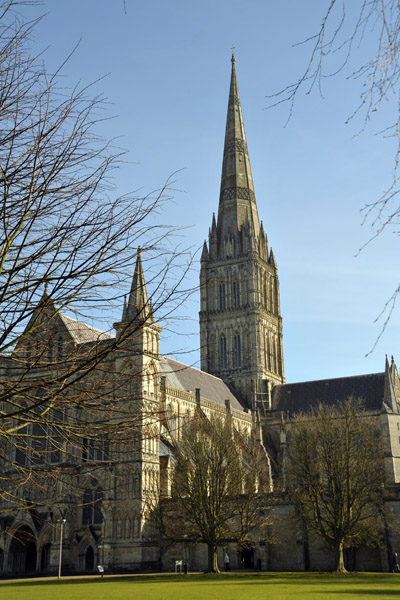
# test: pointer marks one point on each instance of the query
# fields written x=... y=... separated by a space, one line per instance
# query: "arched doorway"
x=89 y=559
x=23 y=553
x=247 y=558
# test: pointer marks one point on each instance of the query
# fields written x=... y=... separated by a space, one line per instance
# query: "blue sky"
x=168 y=69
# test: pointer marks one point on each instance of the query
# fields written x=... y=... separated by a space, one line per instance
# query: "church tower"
x=137 y=472
x=240 y=320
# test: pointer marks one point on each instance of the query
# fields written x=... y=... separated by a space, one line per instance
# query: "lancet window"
x=91 y=506
x=223 y=358
x=235 y=294
x=237 y=350
x=222 y=296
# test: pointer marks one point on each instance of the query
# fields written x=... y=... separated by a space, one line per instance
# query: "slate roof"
x=83 y=333
x=183 y=377
x=165 y=447
x=295 y=397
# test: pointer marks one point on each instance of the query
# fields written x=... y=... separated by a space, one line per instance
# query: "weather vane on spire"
x=233 y=53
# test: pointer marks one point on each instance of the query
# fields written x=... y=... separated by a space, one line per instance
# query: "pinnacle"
x=138 y=306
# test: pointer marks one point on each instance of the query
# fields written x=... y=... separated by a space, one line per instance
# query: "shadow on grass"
x=365 y=593
x=371 y=583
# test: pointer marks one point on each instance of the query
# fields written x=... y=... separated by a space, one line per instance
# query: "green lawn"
x=233 y=586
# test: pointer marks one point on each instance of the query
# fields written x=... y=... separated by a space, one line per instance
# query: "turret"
x=137 y=330
x=138 y=308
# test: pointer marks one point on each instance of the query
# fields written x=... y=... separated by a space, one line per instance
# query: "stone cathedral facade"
x=242 y=371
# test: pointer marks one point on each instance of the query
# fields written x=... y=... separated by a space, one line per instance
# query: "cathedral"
x=242 y=372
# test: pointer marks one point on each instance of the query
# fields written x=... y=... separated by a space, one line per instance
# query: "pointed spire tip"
x=236 y=178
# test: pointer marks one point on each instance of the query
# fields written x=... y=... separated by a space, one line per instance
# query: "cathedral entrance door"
x=23 y=552
x=89 y=559
x=247 y=558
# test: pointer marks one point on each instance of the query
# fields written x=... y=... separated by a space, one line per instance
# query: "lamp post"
x=61 y=521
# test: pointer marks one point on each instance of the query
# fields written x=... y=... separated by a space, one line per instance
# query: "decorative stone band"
x=237 y=192
x=236 y=145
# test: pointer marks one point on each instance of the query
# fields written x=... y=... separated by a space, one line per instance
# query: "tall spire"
x=237 y=198
x=240 y=320
x=138 y=306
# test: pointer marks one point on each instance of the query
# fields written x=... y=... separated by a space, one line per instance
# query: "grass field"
x=232 y=586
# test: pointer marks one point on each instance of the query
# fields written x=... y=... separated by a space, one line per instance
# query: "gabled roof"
x=185 y=378
x=82 y=333
x=296 y=397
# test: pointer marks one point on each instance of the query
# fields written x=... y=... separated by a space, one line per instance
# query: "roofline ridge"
x=62 y=316
x=329 y=379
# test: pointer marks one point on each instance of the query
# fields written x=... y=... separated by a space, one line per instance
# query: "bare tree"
x=220 y=487
x=367 y=31
x=335 y=475
x=68 y=244
x=345 y=27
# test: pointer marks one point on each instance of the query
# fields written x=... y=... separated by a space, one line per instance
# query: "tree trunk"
x=212 y=559
x=340 y=558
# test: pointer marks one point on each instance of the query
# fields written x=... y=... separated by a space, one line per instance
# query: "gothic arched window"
x=235 y=294
x=271 y=298
x=91 y=510
x=95 y=450
x=222 y=296
x=38 y=444
x=223 y=359
x=237 y=350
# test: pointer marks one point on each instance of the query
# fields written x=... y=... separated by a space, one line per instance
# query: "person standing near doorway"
x=226 y=561
x=395 y=563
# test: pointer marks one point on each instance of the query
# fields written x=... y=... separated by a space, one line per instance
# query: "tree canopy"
x=220 y=487
x=335 y=475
